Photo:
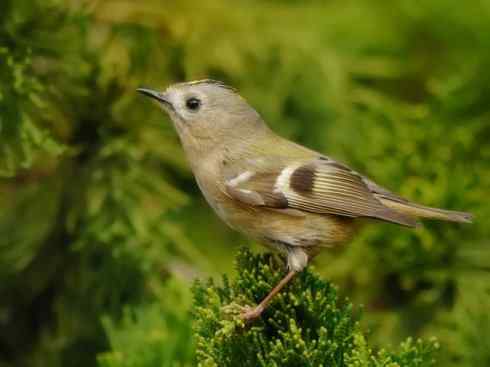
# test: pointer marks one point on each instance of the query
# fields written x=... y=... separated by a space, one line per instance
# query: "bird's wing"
x=381 y=192
x=319 y=185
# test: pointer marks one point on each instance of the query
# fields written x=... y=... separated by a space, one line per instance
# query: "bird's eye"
x=193 y=104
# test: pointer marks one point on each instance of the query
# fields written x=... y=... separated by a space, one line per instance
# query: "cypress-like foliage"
x=306 y=325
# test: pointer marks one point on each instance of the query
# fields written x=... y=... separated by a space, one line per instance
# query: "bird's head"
x=207 y=113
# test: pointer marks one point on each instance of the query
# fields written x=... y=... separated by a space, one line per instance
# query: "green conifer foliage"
x=306 y=325
x=156 y=334
x=41 y=56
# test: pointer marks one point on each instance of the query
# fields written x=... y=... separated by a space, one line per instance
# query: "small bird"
x=284 y=195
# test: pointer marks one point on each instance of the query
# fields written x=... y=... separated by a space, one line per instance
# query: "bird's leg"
x=252 y=313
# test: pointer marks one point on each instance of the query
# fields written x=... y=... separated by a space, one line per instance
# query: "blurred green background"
x=102 y=227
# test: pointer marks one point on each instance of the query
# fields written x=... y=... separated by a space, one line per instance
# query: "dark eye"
x=193 y=103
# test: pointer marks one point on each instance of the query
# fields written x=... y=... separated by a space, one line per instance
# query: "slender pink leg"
x=255 y=312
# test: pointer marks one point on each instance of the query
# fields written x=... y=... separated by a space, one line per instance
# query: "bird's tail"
x=420 y=211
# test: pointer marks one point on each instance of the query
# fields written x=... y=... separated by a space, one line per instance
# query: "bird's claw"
x=249 y=313
x=245 y=313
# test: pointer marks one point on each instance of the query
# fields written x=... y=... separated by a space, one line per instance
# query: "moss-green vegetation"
x=306 y=325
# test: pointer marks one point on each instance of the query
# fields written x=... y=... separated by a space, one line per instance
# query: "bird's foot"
x=249 y=313
x=244 y=313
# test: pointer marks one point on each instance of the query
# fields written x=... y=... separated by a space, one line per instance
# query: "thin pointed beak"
x=160 y=97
